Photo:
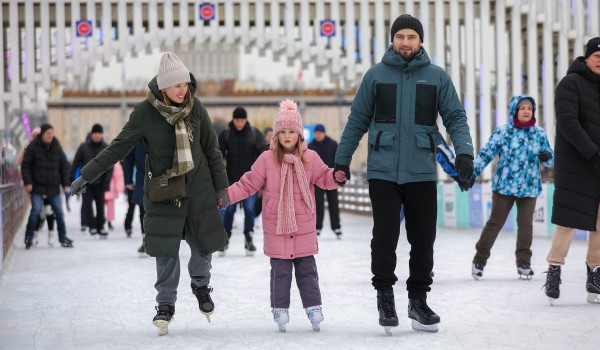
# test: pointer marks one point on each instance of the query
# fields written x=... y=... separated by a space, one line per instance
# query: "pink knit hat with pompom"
x=287 y=118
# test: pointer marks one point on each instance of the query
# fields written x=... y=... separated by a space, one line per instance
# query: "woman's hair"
x=279 y=151
x=168 y=101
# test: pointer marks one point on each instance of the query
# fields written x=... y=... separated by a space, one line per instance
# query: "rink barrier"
x=458 y=209
x=14 y=203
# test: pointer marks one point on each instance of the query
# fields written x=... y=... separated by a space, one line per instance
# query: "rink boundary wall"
x=462 y=210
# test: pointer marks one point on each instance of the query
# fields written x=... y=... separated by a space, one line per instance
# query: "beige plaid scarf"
x=183 y=162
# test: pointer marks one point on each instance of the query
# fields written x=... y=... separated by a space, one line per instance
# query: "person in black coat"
x=241 y=144
x=577 y=169
x=326 y=148
x=45 y=170
x=134 y=186
x=95 y=190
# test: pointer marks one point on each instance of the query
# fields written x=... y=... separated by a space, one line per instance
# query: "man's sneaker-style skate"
x=164 y=316
x=315 y=316
x=28 y=243
x=477 y=271
x=525 y=271
x=338 y=233
x=386 y=306
x=66 y=242
x=205 y=303
x=553 y=283
x=593 y=285
x=281 y=317
x=51 y=238
x=423 y=318
x=248 y=244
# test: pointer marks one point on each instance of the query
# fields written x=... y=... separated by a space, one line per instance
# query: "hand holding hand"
x=78 y=186
x=544 y=156
x=222 y=199
x=340 y=177
x=344 y=169
x=464 y=167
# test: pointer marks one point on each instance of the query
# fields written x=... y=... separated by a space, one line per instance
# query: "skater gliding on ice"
x=182 y=148
x=521 y=146
x=288 y=172
x=577 y=175
x=398 y=104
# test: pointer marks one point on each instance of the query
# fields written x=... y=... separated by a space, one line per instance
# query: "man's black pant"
x=333 y=204
x=420 y=208
x=131 y=210
x=94 y=194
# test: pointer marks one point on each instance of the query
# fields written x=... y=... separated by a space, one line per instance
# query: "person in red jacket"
x=288 y=171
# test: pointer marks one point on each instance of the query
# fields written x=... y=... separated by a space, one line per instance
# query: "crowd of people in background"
x=169 y=139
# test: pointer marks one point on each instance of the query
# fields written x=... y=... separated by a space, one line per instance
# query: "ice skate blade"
x=316 y=327
x=221 y=254
x=163 y=326
x=249 y=253
x=143 y=255
x=388 y=330
x=525 y=277
x=476 y=277
x=593 y=298
x=552 y=301
x=281 y=328
x=417 y=326
x=207 y=315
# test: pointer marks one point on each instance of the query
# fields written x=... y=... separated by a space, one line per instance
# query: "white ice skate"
x=315 y=316
x=281 y=317
x=51 y=238
x=163 y=317
x=162 y=326
x=525 y=272
x=477 y=271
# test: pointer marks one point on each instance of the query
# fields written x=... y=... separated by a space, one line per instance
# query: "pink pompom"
x=288 y=104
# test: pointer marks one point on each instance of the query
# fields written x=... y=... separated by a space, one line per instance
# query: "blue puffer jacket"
x=518 y=171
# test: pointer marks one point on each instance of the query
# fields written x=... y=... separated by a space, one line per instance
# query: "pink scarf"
x=286 y=213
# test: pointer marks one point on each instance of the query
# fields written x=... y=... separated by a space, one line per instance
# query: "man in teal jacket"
x=398 y=103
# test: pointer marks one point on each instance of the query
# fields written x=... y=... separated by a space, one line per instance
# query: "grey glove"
x=222 y=199
x=78 y=186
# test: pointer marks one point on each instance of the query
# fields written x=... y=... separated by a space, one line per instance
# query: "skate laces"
x=422 y=304
x=553 y=278
x=204 y=294
x=387 y=304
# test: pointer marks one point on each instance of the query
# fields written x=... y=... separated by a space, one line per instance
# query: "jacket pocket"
x=426 y=105
x=424 y=156
x=385 y=103
x=382 y=152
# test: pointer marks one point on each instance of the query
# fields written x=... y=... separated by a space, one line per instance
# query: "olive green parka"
x=165 y=224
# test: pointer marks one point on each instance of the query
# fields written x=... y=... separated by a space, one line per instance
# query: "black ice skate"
x=423 y=318
x=66 y=242
x=249 y=245
x=164 y=316
x=525 y=271
x=28 y=242
x=553 y=283
x=477 y=271
x=386 y=306
x=593 y=285
x=204 y=301
x=142 y=251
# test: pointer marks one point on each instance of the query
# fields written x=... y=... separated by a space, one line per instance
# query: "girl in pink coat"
x=117 y=185
x=288 y=171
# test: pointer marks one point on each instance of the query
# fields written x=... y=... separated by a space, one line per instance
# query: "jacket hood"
x=514 y=102
x=153 y=86
x=578 y=66
x=392 y=58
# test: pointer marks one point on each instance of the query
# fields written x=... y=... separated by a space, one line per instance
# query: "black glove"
x=544 y=156
x=465 y=185
x=345 y=169
x=78 y=186
x=222 y=199
x=464 y=167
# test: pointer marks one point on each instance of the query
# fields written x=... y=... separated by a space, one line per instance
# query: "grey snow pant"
x=167 y=273
x=307 y=280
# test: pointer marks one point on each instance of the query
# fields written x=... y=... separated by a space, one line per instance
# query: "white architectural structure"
x=491 y=49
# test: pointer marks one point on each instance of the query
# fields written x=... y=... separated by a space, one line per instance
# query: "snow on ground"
x=100 y=295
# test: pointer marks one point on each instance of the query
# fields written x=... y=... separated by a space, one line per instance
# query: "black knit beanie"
x=592 y=46
x=45 y=127
x=407 y=22
x=97 y=128
x=239 y=113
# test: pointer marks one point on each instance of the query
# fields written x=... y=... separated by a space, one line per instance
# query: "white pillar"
x=15 y=55
x=107 y=33
x=381 y=35
x=548 y=81
x=532 y=52
x=455 y=48
x=502 y=63
x=259 y=26
x=30 y=39
x=336 y=41
x=122 y=30
x=469 y=101
x=516 y=48
x=45 y=49
x=350 y=40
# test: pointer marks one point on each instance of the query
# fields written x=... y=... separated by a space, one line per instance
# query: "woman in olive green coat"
x=180 y=141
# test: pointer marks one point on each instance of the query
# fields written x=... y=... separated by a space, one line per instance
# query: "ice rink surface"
x=100 y=295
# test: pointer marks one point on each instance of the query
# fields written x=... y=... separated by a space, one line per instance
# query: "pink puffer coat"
x=266 y=172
